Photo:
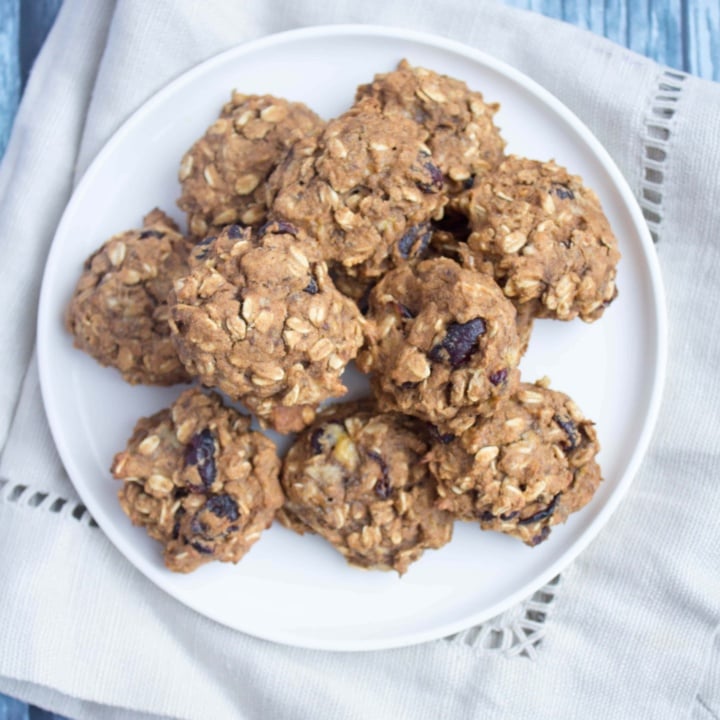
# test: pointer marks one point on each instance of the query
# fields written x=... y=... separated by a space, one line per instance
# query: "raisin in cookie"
x=224 y=173
x=442 y=343
x=360 y=188
x=259 y=318
x=199 y=481
x=546 y=236
x=119 y=312
x=357 y=478
x=522 y=470
x=463 y=138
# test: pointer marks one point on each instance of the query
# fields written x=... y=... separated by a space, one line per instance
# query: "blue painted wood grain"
x=684 y=34
x=10 y=78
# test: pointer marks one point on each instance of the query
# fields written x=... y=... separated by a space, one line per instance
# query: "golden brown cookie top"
x=523 y=469
x=546 y=237
x=356 y=477
x=119 y=314
x=259 y=318
x=360 y=187
x=199 y=480
x=442 y=343
x=462 y=135
x=223 y=175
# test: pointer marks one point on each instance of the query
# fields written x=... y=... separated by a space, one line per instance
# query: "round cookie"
x=449 y=239
x=119 y=313
x=463 y=138
x=546 y=236
x=364 y=189
x=259 y=318
x=442 y=343
x=224 y=172
x=522 y=470
x=356 y=478
x=199 y=481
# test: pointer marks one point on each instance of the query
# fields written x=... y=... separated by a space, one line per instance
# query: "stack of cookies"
x=398 y=236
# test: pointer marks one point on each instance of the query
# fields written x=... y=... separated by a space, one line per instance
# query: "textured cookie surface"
x=443 y=344
x=546 y=237
x=462 y=135
x=199 y=481
x=356 y=478
x=259 y=318
x=223 y=175
x=367 y=182
x=119 y=311
x=522 y=470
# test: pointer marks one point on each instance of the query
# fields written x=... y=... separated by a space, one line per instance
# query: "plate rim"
x=649 y=255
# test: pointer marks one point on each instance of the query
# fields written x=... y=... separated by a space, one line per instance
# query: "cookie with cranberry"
x=199 y=481
x=356 y=478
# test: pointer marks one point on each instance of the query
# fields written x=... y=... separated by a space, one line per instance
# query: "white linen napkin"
x=634 y=629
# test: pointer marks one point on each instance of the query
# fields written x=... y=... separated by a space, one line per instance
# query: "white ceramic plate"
x=298 y=590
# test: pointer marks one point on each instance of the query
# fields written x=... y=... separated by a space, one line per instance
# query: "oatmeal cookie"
x=199 y=481
x=356 y=478
x=364 y=189
x=522 y=470
x=546 y=236
x=463 y=138
x=442 y=343
x=259 y=318
x=224 y=172
x=119 y=314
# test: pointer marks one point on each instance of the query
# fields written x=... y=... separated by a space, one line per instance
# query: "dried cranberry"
x=459 y=343
x=223 y=506
x=570 y=430
x=564 y=192
x=437 y=436
x=415 y=241
x=202 y=549
x=436 y=177
x=499 y=377
x=280 y=227
x=200 y=452
x=176 y=526
x=202 y=248
x=383 y=487
x=541 y=514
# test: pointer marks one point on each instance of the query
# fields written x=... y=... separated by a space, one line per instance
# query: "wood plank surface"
x=684 y=34
x=9 y=66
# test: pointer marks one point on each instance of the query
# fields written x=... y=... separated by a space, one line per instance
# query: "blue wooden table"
x=684 y=34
